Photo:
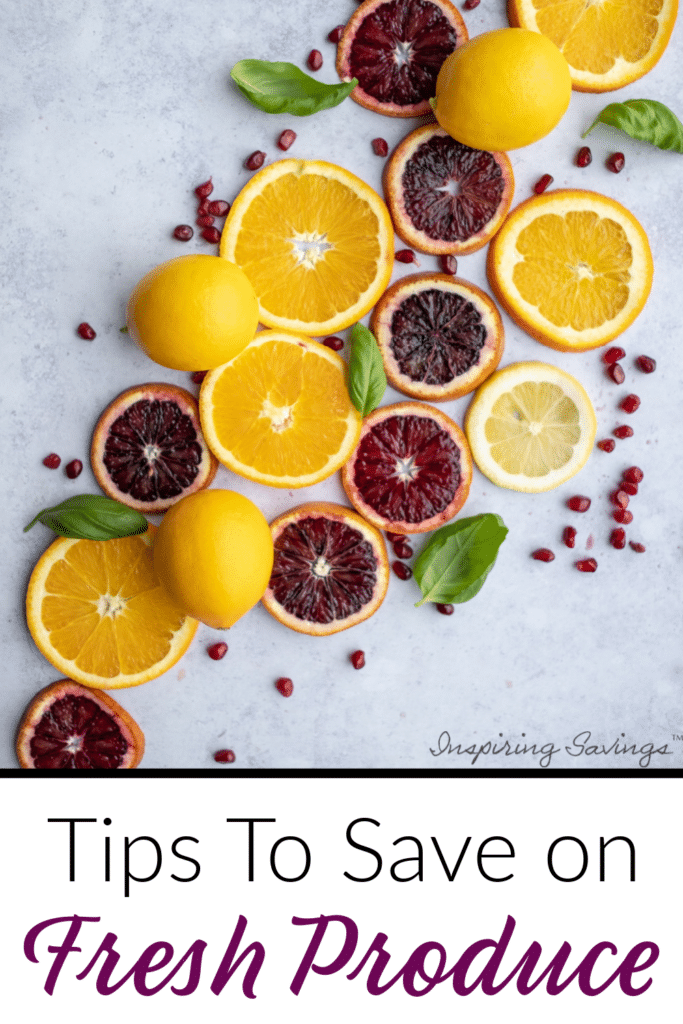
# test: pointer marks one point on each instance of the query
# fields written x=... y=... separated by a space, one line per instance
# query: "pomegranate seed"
x=579 y=503
x=569 y=536
x=336 y=344
x=285 y=686
x=203 y=208
x=183 y=232
x=587 y=565
x=86 y=332
x=630 y=488
x=357 y=659
x=619 y=498
x=405 y=256
x=198 y=376
x=396 y=538
x=615 y=162
x=616 y=372
x=469 y=5
x=403 y=550
x=52 y=461
x=380 y=147
x=617 y=538
x=542 y=183
x=613 y=355
x=633 y=474
x=583 y=157
x=607 y=445
x=205 y=189
x=217 y=651
x=445 y=609
x=224 y=756
x=543 y=555
x=74 y=469
x=219 y=208
x=255 y=160
x=636 y=546
x=335 y=35
x=646 y=364
x=622 y=515
x=448 y=264
x=205 y=221
x=212 y=235
x=285 y=139
x=622 y=432
x=630 y=403
x=315 y=60
x=403 y=571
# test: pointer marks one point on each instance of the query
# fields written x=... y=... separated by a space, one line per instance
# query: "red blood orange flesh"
x=411 y=470
x=439 y=336
x=330 y=570
x=67 y=725
x=395 y=49
x=148 y=450
x=445 y=197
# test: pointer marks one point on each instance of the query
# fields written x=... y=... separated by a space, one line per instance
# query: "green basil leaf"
x=454 y=565
x=91 y=517
x=282 y=88
x=367 y=379
x=647 y=120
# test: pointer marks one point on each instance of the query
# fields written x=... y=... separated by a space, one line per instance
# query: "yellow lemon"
x=213 y=554
x=193 y=313
x=502 y=90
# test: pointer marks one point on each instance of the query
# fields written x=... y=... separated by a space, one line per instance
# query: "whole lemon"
x=213 y=553
x=193 y=313
x=502 y=90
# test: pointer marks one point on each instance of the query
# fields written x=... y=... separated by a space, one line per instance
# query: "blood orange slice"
x=395 y=49
x=148 y=450
x=69 y=726
x=439 y=336
x=443 y=196
x=411 y=470
x=330 y=571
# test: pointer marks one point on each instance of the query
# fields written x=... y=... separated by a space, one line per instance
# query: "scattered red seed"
x=198 y=376
x=315 y=60
x=52 y=461
x=569 y=536
x=630 y=403
x=380 y=147
x=607 y=445
x=613 y=355
x=219 y=208
x=336 y=344
x=405 y=256
x=615 y=162
x=619 y=498
x=622 y=515
x=445 y=609
x=183 y=232
x=285 y=686
x=583 y=157
x=86 y=332
x=255 y=160
x=448 y=264
x=203 y=207
x=617 y=538
x=630 y=488
x=212 y=235
x=403 y=550
x=205 y=189
x=403 y=571
x=587 y=565
x=469 y=5
x=396 y=538
x=285 y=140
x=224 y=756
x=579 y=503
x=622 y=432
x=543 y=555
x=335 y=35
x=646 y=364
x=205 y=221
x=636 y=546
x=217 y=651
x=357 y=659
x=74 y=469
x=616 y=372
x=542 y=183
x=633 y=474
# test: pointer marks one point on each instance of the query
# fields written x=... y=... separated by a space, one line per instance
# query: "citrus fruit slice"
x=280 y=412
x=193 y=313
x=98 y=613
x=572 y=268
x=439 y=336
x=213 y=554
x=445 y=197
x=70 y=726
x=316 y=243
x=607 y=45
x=411 y=470
x=330 y=571
x=395 y=49
x=530 y=426
x=148 y=450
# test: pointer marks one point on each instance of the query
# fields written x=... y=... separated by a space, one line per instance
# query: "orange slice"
x=572 y=268
x=279 y=413
x=607 y=44
x=316 y=243
x=97 y=611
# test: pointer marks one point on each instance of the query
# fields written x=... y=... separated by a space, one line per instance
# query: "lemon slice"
x=530 y=427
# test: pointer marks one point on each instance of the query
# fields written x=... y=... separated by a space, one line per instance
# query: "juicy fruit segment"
x=330 y=569
x=573 y=268
x=445 y=197
x=607 y=45
x=395 y=49
x=280 y=412
x=213 y=554
x=439 y=336
x=98 y=613
x=316 y=243
x=411 y=470
x=148 y=449
x=70 y=726
x=530 y=426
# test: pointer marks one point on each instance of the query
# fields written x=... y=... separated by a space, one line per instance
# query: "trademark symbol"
x=677 y=737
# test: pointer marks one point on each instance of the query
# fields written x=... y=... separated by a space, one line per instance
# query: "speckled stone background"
x=113 y=113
